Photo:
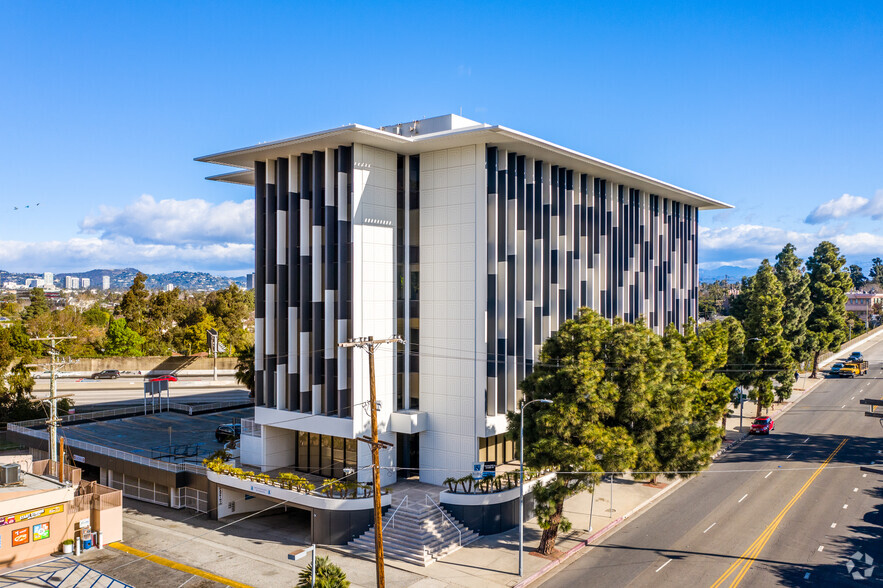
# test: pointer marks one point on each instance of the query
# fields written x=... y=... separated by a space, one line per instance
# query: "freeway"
x=791 y=508
x=103 y=394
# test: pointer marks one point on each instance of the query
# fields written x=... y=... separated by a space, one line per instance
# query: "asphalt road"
x=786 y=509
x=127 y=391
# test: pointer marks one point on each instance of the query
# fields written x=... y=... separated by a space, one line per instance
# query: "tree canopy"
x=797 y=304
x=829 y=283
x=623 y=398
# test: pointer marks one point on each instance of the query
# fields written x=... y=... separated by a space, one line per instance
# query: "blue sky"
x=776 y=108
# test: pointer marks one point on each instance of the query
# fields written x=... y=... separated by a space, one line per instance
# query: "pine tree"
x=876 y=273
x=767 y=352
x=798 y=306
x=828 y=283
x=857 y=276
x=133 y=306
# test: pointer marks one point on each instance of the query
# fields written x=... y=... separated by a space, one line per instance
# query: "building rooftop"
x=444 y=132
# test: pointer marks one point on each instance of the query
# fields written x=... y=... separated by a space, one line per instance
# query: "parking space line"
x=178 y=566
x=821 y=547
x=767 y=476
x=833 y=525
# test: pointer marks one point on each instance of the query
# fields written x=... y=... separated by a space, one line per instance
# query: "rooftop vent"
x=10 y=474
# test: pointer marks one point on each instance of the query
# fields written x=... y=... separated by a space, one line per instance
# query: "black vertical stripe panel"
x=294 y=291
x=306 y=279
x=344 y=268
x=492 y=244
x=271 y=281
x=282 y=272
x=260 y=266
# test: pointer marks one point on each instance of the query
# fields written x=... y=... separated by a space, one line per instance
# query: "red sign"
x=20 y=536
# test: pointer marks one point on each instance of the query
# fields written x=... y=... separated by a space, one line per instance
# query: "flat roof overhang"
x=499 y=136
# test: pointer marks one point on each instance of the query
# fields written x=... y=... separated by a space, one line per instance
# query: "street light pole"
x=521 y=486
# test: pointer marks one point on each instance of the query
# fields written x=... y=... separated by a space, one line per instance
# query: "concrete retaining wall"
x=152 y=364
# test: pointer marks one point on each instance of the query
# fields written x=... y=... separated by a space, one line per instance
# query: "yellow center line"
x=178 y=566
x=746 y=560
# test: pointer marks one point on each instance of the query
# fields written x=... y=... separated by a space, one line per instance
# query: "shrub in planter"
x=328 y=575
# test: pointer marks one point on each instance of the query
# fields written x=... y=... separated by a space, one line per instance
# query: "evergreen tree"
x=857 y=276
x=38 y=305
x=133 y=306
x=767 y=352
x=245 y=368
x=120 y=340
x=828 y=283
x=876 y=273
x=739 y=304
x=798 y=306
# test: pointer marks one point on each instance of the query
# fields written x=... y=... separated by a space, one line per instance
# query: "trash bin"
x=87 y=541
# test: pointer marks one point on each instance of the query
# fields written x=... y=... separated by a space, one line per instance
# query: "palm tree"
x=328 y=575
x=245 y=369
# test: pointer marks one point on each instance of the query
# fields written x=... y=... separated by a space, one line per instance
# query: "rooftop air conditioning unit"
x=10 y=473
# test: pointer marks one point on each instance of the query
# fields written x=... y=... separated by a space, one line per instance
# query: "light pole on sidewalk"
x=521 y=486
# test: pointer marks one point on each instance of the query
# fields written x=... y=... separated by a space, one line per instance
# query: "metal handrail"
x=441 y=510
x=394 y=513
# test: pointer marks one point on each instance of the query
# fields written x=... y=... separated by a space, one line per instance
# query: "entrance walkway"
x=63 y=572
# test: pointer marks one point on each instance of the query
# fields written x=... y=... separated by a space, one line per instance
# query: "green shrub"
x=328 y=575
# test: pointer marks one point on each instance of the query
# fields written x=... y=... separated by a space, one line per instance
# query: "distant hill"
x=121 y=279
x=731 y=273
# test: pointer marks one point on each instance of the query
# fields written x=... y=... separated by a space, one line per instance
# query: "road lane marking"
x=844 y=406
x=743 y=498
x=821 y=547
x=709 y=528
x=805 y=440
x=855 y=489
x=789 y=455
x=845 y=506
x=853 y=398
x=663 y=565
x=833 y=525
x=767 y=476
x=864 y=475
x=746 y=560
x=178 y=566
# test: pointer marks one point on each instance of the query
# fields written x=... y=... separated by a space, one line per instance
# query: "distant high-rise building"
x=48 y=280
x=105 y=282
x=170 y=287
x=249 y=281
x=71 y=283
x=33 y=282
x=85 y=283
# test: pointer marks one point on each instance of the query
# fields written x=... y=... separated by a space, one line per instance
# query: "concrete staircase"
x=418 y=533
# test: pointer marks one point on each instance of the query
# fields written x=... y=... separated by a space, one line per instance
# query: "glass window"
x=337 y=456
x=303 y=452
x=314 y=454
x=482 y=449
x=326 y=455
x=352 y=453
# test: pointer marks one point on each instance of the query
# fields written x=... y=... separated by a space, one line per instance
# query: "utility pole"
x=369 y=345
x=53 y=393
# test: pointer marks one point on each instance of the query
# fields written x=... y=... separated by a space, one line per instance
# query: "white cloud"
x=746 y=245
x=83 y=254
x=847 y=206
x=174 y=222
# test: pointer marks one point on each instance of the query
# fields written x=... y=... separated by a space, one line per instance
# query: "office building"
x=85 y=283
x=471 y=241
x=71 y=283
x=105 y=282
x=249 y=281
x=48 y=280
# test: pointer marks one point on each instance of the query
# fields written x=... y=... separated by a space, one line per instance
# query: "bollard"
x=100 y=539
x=77 y=547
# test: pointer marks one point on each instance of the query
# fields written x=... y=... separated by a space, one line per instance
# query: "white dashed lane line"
x=789 y=455
x=709 y=528
x=663 y=565
x=767 y=476
x=805 y=440
x=743 y=498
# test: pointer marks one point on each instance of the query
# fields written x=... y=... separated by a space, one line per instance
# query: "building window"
x=324 y=455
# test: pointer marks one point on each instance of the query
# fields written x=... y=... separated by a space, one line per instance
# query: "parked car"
x=225 y=433
x=762 y=426
x=855 y=356
x=166 y=378
x=106 y=374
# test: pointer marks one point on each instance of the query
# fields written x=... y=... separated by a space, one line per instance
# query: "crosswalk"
x=63 y=572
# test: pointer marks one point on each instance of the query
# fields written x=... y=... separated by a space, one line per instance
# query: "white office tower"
x=85 y=283
x=105 y=282
x=71 y=283
x=48 y=280
x=474 y=243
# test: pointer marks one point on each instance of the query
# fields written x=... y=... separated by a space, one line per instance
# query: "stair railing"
x=429 y=501
x=394 y=513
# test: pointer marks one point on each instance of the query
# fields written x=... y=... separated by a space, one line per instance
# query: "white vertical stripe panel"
x=271 y=171
x=342 y=354
x=281 y=234
x=292 y=338
x=317 y=398
x=270 y=334
x=281 y=387
x=259 y=343
x=342 y=210
x=317 y=265
x=330 y=343
x=304 y=357
x=330 y=196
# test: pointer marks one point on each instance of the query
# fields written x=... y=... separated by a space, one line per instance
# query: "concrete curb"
x=586 y=543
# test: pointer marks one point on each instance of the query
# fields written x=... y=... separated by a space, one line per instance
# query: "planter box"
x=488 y=514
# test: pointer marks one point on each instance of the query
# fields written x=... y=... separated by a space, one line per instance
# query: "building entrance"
x=408 y=455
